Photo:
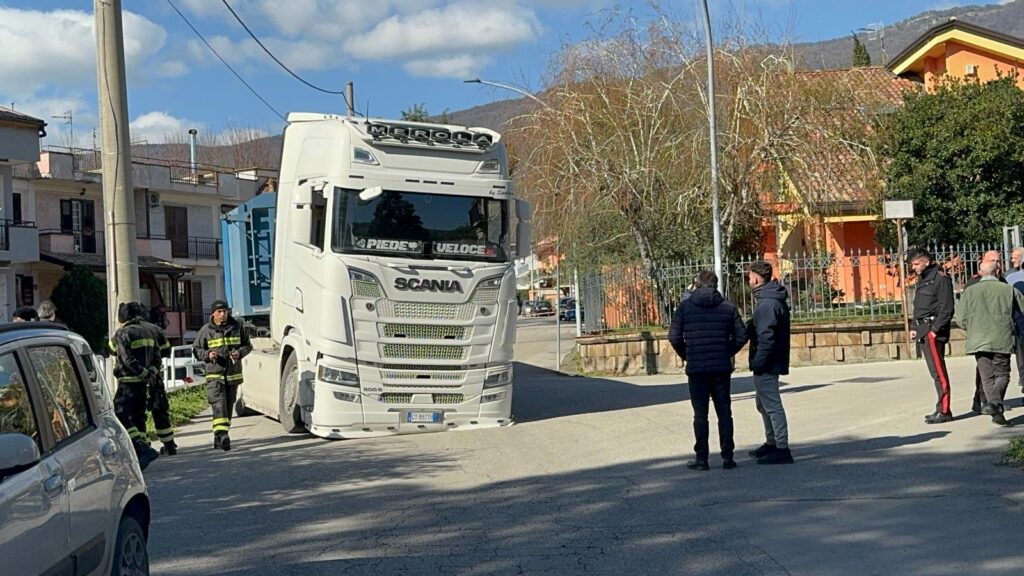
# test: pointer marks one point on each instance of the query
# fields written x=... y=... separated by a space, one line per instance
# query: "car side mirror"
x=18 y=453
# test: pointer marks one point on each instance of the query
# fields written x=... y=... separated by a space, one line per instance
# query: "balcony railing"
x=87 y=160
x=196 y=319
x=196 y=248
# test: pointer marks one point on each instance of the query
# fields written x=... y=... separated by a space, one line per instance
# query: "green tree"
x=416 y=113
x=81 y=301
x=958 y=153
x=860 y=53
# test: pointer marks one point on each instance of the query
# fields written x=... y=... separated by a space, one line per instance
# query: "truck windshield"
x=421 y=225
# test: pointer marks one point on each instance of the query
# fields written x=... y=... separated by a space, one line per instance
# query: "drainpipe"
x=192 y=150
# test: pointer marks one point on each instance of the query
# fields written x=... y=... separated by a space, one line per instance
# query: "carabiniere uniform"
x=933 y=316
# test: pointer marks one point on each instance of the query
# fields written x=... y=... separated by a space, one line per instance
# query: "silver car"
x=72 y=496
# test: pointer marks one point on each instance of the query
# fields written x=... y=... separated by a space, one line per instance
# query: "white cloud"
x=461 y=66
x=459 y=28
x=172 y=69
x=157 y=127
x=427 y=37
x=58 y=48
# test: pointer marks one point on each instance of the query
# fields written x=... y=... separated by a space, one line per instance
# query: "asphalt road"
x=591 y=481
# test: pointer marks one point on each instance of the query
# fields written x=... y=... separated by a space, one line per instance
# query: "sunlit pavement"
x=591 y=481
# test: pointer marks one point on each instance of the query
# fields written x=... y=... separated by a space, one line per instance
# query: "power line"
x=276 y=59
x=224 y=62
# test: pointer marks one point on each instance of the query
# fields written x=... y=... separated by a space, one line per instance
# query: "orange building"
x=824 y=203
x=957 y=49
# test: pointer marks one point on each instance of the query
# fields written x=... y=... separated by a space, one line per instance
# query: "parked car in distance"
x=72 y=496
x=542 y=308
x=565 y=305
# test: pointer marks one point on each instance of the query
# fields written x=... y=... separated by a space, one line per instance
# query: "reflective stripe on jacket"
x=222 y=339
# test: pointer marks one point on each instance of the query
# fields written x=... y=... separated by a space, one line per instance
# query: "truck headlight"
x=336 y=376
x=493 y=397
x=486 y=292
x=364 y=284
x=498 y=378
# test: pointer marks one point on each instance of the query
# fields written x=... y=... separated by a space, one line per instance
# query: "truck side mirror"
x=523 y=228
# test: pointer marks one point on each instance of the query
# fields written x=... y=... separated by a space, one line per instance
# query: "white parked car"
x=72 y=496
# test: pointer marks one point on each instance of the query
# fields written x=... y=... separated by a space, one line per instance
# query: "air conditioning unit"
x=972 y=69
x=154 y=199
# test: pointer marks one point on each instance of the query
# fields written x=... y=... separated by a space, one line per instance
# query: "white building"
x=19 y=241
x=177 y=208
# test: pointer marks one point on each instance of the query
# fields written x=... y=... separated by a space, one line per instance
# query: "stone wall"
x=812 y=345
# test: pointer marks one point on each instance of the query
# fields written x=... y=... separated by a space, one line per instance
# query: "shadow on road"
x=852 y=506
x=542 y=394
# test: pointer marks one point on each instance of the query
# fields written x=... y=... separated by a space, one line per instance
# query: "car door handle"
x=108 y=450
x=54 y=485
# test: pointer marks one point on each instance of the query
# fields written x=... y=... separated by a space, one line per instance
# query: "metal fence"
x=823 y=286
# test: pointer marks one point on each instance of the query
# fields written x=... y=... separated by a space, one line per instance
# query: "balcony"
x=59 y=241
x=19 y=241
x=196 y=248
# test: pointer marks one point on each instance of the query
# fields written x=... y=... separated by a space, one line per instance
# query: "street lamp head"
x=473 y=81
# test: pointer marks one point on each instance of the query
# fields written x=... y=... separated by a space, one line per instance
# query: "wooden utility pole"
x=118 y=194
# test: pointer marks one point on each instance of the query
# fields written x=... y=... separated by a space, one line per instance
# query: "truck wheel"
x=240 y=408
x=290 y=414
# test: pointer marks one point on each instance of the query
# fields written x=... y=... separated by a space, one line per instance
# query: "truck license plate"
x=423 y=417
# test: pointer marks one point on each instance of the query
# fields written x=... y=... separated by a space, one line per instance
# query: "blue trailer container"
x=247 y=233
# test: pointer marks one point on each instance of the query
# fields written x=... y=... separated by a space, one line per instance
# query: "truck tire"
x=289 y=411
x=240 y=408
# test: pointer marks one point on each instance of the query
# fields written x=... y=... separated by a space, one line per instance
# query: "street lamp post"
x=716 y=217
x=508 y=87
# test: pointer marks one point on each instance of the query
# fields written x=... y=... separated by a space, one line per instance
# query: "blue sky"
x=397 y=52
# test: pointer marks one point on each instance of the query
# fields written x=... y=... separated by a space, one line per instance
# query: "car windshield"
x=421 y=225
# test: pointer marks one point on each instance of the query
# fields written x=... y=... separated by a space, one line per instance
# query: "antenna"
x=876 y=31
x=69 y=119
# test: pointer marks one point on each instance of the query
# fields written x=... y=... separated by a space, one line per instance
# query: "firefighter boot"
x=145 y=453
x=169 y=448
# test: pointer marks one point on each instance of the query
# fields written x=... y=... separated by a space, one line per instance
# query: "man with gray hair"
x=47 y=311
x=985 y=311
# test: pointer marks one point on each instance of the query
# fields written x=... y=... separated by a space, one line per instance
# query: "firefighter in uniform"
x=133 y=347
x=156 y=398
x=222 y=344
x=933 y=315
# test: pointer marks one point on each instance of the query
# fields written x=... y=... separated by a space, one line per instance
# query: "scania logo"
x=425 y=285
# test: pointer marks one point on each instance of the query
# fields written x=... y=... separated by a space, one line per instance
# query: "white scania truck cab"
x=392 y=296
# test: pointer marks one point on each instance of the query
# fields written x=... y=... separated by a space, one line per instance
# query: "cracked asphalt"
x=592 y=481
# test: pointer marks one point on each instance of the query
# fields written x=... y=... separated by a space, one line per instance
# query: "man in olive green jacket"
x=985 y=311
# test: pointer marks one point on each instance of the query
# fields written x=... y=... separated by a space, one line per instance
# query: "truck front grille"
x=422 y=352
x=447 y=398
x=428 y=376
x=396 y=398
x=424 y=310
x=423 y=331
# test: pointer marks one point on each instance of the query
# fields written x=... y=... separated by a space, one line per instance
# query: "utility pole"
x=118 y=194
x=716 y=218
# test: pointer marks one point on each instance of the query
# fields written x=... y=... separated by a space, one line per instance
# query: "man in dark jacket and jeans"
x=769 y=359
x=707 y=332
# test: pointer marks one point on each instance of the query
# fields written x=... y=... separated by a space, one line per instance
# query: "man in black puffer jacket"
x=769 y=359
x=707 y=332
